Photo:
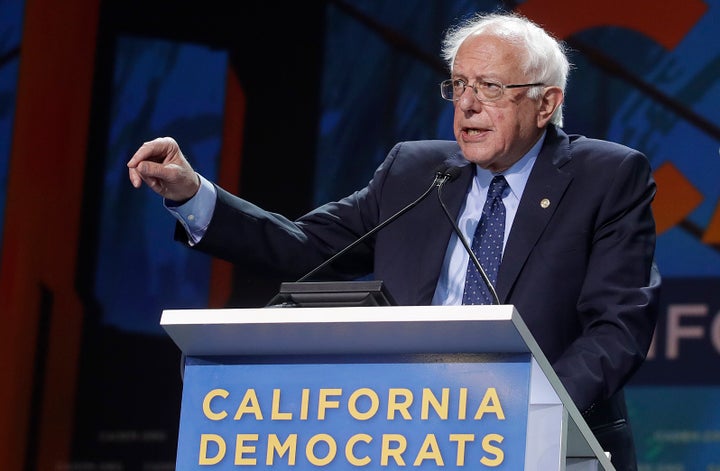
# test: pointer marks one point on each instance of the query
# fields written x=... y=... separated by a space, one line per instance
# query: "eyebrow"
x=477 y=77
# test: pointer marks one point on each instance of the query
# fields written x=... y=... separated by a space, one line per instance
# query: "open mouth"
x=470 y=132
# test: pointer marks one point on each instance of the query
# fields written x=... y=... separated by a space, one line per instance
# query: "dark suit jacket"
x=579 y=270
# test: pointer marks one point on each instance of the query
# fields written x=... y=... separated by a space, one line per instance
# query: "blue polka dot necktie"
x=487 y=245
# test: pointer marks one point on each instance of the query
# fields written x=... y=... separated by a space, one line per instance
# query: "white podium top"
x=347 y=330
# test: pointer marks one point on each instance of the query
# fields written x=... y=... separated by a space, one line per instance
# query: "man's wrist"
x=195 y=213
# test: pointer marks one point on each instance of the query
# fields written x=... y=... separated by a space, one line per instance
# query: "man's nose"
x=467 y=100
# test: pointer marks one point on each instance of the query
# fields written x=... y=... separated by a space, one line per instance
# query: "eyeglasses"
x=485 y=90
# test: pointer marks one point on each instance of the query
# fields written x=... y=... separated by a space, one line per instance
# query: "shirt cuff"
x=195 y=214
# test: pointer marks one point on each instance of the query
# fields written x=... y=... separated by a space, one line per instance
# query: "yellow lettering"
x=206 y=404
x=428 y=399
x=355 y=397
x=304 y=404
x=429 y=451
x=497 y=452
x=399 y=400
x=388 y=451
x=275 y=412
x=324 y=403
x=461 y=439
x=490 y=404
x=310 y=449
x=289 y=447
x=241 y=448
x=249 y=405
x=350 y=453
x=462 y=404
x=206 y=438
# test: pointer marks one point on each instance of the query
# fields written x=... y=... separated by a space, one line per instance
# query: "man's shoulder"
x=420 y=153
x=422 y=156
x=436 y=144
x=581 y=144
x=594 y=157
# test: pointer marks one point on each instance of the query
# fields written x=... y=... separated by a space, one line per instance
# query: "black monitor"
x=332 y=294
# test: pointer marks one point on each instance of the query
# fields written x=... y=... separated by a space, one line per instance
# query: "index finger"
x=155 y=150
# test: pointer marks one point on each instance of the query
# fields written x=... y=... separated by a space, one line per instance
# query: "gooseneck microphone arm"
x=441 y=176
x=460 y=236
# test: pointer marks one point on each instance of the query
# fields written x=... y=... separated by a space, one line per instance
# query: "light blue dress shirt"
x=451 y=284
x=196 y=213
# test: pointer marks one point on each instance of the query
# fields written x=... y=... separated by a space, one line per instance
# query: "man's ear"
x=550 y=101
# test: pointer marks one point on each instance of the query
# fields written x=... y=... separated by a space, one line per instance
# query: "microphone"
x=458 y=232
x=443 y=174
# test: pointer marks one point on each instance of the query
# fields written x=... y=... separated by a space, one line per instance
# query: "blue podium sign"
x=420 y=411
x=373 y=387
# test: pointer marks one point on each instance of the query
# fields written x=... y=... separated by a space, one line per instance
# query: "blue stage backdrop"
x=10 y=33
x=379 y=86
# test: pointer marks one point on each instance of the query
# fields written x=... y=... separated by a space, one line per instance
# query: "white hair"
x=545 y=60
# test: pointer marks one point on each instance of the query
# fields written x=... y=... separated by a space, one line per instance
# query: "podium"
x=381 y=387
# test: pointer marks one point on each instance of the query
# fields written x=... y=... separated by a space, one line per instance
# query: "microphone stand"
x=441 y=177
x=472 y=255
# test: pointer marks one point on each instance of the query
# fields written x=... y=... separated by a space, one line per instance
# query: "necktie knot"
x=497 y=187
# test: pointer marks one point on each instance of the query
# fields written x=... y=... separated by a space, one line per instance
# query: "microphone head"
x=449 y=172
x=452 y=173
x=441 y=169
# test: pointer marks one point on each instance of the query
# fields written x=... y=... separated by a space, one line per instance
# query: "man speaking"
x=558 y=225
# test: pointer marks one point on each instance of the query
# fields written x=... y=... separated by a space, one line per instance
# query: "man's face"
x=494 y=134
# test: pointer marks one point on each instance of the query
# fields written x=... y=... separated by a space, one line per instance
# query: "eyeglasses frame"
x=503 y=87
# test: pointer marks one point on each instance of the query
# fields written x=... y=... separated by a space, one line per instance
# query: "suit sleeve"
x=243 y=233
x=617 y=305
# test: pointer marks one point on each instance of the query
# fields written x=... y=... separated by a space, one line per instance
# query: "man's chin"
x=478 y=158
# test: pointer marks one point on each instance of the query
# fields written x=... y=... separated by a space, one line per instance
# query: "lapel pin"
x=544 y=203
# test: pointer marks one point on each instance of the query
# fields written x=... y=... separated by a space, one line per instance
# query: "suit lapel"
x=543 y=191
x=453 y=195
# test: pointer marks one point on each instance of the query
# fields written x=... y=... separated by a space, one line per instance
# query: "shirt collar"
x=517 y=175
